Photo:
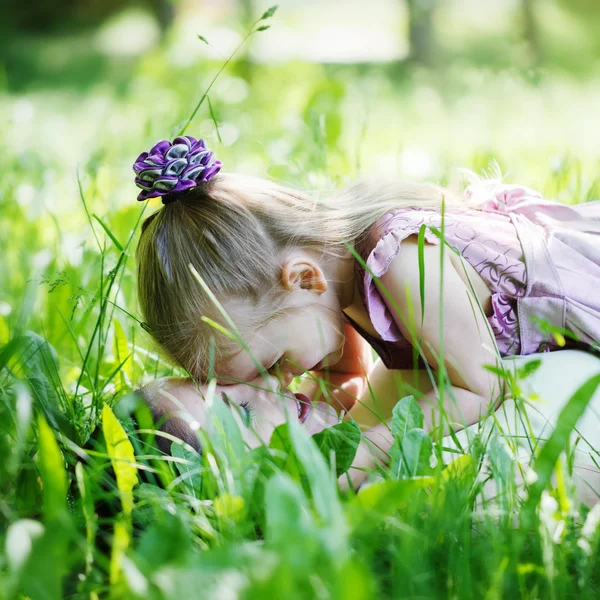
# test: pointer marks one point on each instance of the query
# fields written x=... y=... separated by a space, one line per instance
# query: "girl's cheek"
x=257 y=436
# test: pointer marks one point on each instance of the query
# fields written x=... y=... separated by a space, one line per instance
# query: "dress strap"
x=544 y=297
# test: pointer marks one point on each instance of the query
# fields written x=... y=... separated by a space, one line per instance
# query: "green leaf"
x=324 y=491
x=462 y=468
x=397 y=469
x=44 y=572
x=502 y=466
x=122 y=353
x=529 y=368
x=269 y=13
x=284 y=456
x=411 y=455
x=421 y=250
x=203 y=39
x=343 y=440
x=406 y=415
x=52 y=471
x=37 y=360
x=4 y=331
x=288 y=519
x=47 y=401
x=557 y=442
x=263 y=28
x=500 y=371
x=121 y=455
x=166 y=537
x=385 y=498
x=417 y=449
x=224 y=431
x=189 y=467
x=214 y=119
x=91 y=520
x=120 y=543
x=230 y=507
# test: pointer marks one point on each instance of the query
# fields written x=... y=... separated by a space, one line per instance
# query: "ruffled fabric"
x=540 y=260
x=487 y=240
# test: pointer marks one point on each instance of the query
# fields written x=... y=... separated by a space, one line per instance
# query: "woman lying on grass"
x=241 y=278
x=180 y=407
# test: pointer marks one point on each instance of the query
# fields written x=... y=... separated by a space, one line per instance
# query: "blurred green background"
x=415 y=88
x=333 y=89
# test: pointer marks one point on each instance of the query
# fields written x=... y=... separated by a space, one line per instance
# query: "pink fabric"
x=511 y=234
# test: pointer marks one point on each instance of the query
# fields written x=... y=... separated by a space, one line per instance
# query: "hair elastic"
x=174 y=167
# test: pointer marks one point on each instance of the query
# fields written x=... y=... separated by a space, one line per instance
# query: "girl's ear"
x=303 y=273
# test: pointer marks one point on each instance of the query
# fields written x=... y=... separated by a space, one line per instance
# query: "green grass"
x=84 y=513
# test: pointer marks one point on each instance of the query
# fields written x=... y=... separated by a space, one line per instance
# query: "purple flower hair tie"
x=174 y=167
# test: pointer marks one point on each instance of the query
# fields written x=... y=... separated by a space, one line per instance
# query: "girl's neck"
x=339 y=271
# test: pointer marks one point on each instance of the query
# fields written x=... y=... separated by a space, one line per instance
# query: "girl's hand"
x=347 y=379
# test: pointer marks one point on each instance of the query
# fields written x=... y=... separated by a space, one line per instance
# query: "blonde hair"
x=233 y=230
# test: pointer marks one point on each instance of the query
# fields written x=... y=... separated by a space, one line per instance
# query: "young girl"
x=519 y=272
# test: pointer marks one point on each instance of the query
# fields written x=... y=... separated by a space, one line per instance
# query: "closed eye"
x=251 y=376
x=247 y=413
x=275 y=363
x=245 y=409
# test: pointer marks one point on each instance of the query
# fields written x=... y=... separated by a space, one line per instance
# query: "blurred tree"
x=588 y=12
x=57 y=15
x=246 y=16
x=530 y=29
x=588 y=9
x=420 y=30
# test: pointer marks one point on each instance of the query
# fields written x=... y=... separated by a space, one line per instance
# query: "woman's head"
x=180 y=408
x=274 y=257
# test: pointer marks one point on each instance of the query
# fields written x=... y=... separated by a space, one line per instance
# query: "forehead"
x=241 y=363
x=263 y=332
x=246 y=319
x=183 y=396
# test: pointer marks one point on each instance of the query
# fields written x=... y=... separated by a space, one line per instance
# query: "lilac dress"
x=540 y=260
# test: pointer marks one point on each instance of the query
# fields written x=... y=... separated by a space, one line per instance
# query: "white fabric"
x=546 y=392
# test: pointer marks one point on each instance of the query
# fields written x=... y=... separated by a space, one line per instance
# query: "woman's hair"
x=232 y=230
x=161 y=398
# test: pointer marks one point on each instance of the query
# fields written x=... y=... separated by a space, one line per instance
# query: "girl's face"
x=304 y=333
x=303 y=339
x=258 y=406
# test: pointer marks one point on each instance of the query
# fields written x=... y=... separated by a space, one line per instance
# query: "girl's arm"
x=346 y=379
x=463 y=336
x=451 y=325
x=385 y=387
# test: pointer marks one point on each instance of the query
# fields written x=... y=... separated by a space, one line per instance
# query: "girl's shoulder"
x=484 y=234
x=484 y=215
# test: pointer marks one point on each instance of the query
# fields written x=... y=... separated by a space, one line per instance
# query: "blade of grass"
x=108 y=232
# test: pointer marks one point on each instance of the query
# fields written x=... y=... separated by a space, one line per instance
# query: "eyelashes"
x=247 y=410
x=248 y=413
